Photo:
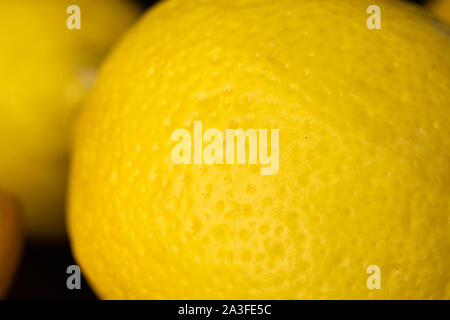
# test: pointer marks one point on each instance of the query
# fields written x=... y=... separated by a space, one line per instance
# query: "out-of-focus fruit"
x=10 y=240
x=441 y=8
x=46 y=69
x=364 y=150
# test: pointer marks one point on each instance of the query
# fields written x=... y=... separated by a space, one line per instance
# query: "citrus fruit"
x=10 y=240
x=441 y=8
x=359 y=207
x=46 y=69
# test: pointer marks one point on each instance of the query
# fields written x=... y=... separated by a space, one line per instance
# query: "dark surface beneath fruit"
x=42 y=275
x=42 y=272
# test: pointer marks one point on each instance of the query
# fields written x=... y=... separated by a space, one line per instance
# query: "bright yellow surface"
x=364 y=172
x=45 y=70
x=441 y=8
x=10 y=240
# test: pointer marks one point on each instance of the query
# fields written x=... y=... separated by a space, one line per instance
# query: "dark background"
x=42 y=271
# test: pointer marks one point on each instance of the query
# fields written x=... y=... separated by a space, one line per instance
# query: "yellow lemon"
x=441 y=8
x=359 y=205
x=10 y=240
x=46 y=68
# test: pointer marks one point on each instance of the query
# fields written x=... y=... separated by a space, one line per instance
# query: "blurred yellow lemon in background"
x=441 y=8
x=10 y=240
x=361 y=198
x=46 y=69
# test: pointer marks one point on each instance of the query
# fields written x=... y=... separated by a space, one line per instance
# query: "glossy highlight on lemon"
x=46 y=70
x=364 y=144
